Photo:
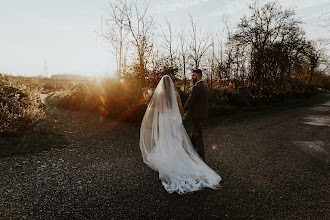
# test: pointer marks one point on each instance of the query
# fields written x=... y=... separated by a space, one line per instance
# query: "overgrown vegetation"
x=23 y=124
x=20 y=106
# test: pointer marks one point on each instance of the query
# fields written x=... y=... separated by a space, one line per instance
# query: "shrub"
x=21 y=107
x=221 y=95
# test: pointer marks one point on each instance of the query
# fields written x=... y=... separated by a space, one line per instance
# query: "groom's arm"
x=191 y=99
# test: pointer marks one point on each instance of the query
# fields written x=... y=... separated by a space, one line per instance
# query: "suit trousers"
x=197 y=137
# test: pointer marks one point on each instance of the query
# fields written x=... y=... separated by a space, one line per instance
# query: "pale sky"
x=62 y=32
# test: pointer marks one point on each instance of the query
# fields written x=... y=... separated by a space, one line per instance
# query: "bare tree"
x=271 y=38
x=167 y=43
x=219 y=58
x=216 y=59
x=229 y=49
x=140 y=26
x=114 y=31
x=169 y=60
x=198 y=44
x=315 y=52
x=129 y=28
x=211 y=62
x=183 y=57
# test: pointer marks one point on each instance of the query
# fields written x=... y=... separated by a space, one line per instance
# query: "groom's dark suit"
x=197 y=109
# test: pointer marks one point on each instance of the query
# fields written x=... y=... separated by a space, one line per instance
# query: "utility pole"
x=45 y=68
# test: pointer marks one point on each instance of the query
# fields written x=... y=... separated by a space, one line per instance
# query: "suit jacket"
x=198 y=101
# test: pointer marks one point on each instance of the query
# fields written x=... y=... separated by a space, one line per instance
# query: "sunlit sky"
x=62 y=33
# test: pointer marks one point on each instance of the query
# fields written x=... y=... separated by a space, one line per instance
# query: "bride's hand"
x=184 y=117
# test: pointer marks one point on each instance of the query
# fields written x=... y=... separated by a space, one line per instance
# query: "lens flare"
x=102 y=99
x=102 y=109
x=105 y=103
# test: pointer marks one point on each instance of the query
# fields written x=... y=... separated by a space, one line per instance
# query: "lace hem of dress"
x=183 y=185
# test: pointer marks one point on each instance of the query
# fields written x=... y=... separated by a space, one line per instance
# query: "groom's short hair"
x=198 y=71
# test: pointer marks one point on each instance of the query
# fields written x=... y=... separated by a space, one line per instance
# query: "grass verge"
x=39 y=139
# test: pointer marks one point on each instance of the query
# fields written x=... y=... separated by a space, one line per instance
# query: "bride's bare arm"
x=179 y=103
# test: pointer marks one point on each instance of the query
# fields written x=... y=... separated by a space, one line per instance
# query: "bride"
x=166 y=147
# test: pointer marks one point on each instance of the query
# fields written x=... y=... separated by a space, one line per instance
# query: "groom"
x=196 y=109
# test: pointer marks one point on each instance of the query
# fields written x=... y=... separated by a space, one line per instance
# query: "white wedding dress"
x=166 y=147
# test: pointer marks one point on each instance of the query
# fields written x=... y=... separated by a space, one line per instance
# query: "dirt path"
x=273 y=167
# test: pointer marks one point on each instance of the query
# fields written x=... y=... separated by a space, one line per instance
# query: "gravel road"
x=273 y=166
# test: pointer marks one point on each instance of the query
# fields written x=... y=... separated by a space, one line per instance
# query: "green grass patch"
x=39 y=139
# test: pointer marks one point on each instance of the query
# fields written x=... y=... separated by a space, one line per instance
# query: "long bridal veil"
x=166 y=147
